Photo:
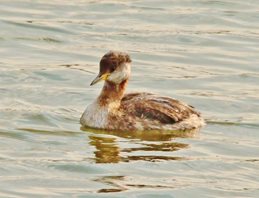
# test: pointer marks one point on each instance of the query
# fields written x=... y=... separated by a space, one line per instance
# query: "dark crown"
x=111 y=60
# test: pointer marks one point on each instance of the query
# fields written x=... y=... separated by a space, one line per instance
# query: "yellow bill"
x=99 y=78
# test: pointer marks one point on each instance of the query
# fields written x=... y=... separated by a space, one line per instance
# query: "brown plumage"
x=134 y=111
x=164 y=109
x=112 y=60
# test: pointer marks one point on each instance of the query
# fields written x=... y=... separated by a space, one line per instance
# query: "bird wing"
x=149 y=106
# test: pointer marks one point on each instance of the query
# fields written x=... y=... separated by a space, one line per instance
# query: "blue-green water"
x=203 y=52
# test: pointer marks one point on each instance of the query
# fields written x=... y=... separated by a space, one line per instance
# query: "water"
x=202 y=52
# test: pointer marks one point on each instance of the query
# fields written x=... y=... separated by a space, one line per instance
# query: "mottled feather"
x=157 y=108
x=113 y=110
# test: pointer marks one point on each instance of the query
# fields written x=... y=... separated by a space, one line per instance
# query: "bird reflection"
x=107 y=151
x=110 y=148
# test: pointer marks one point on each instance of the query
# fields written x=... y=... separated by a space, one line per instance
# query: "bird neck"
x=112 y=93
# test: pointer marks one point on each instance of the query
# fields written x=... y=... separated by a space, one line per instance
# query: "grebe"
x=114 y=110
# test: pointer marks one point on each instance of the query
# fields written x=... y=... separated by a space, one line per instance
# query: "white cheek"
x=116 y=77
x=122 y=73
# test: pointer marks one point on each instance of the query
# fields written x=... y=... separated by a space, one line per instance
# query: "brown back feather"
x=163 y=109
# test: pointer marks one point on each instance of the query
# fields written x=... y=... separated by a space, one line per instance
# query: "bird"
x=137 y=111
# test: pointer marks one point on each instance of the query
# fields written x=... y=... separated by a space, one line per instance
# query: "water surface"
x=202 y=52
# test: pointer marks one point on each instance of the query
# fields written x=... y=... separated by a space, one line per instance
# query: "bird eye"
x=112 y=68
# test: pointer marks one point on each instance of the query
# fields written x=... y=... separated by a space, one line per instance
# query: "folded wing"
x=157 y=108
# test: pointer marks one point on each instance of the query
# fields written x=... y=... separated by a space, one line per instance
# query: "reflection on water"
x=112 y=181
x=122 y=183
x=156 y=145
x=202 y=52
x=152 y=135
x=107 y=151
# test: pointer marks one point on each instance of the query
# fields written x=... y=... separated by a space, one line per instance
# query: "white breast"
x=94 y=116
